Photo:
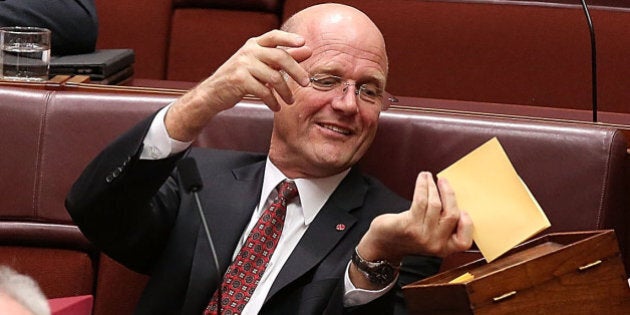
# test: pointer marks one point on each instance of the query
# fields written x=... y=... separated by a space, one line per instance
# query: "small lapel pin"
x=340 y=227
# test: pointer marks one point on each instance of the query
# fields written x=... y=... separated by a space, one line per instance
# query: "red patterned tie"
x=242 y=276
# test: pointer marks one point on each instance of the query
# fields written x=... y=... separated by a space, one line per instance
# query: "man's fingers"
x=272 y=79
x=261 y=80
x=450 y=215
x=420 y=200
x=434 y=204
x=266 y=95
x=285 y=52
x=462 y=237
x=282 y=60
x=426 y=205
x=447 y=195
x=300 y=54
x=294 y=69
x=455 y=225
x=276 y=56
x=275 y=38
x=443 y=228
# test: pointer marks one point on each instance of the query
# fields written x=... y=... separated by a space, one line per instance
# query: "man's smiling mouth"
x=336 y=129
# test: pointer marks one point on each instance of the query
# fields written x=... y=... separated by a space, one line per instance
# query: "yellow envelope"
x=503 y=210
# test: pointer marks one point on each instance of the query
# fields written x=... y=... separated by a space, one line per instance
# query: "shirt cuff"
x=354 y=296
x=157 y=144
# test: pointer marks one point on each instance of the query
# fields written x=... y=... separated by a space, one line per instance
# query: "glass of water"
x=24 y=53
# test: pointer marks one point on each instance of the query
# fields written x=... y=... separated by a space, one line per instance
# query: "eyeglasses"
x=368 y=93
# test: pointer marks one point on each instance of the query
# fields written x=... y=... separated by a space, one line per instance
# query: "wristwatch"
x=379 y=272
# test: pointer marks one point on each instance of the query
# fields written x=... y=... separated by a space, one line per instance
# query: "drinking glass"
x=24 y=53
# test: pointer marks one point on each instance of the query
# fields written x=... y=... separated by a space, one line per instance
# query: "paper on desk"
x=503 y=211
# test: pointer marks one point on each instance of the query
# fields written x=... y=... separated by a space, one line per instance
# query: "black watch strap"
x=379 y=272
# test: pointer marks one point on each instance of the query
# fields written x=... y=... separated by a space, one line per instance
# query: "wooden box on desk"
x=560 y=273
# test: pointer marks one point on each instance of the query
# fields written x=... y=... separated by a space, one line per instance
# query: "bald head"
x=345 y=22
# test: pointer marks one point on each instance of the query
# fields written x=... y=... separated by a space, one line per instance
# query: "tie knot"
x=287 y=190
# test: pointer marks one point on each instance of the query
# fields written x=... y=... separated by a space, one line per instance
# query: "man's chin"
x=334 y=165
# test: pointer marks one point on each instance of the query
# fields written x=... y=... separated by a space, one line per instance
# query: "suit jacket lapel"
x=322 y=235
x=228 y=204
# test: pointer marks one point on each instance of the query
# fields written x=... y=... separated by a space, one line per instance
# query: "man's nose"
x=347 y=101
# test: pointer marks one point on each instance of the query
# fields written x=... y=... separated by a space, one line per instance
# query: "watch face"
x=382 y=274
x=378 y=272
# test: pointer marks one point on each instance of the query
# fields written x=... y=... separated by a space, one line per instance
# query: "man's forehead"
x=344 y=37
x=343 y=58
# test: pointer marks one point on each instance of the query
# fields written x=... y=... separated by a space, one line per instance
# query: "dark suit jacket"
x=137 y=212
x=73 y=24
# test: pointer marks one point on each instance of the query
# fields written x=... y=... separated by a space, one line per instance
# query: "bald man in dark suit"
x=344 y=235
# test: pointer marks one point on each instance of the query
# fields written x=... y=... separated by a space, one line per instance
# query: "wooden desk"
x=560 y=273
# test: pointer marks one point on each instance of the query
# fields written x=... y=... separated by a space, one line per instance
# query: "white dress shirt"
x=313 y=194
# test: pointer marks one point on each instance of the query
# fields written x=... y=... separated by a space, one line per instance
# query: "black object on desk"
x=106 y=65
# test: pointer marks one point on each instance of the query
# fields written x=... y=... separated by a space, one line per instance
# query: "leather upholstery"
x=59 y=272
x=190 y=26
x=578 y=172
x=503 y=51
x=245 y=5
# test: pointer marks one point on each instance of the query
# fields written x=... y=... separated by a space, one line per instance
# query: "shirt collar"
x=314 y=192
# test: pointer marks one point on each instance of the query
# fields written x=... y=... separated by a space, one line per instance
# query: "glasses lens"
x=325 y=82
x=368 y=93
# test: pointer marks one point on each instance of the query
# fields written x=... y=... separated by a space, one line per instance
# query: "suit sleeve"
x=124 y=205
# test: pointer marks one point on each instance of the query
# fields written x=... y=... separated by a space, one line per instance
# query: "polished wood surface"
x=560 y=273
